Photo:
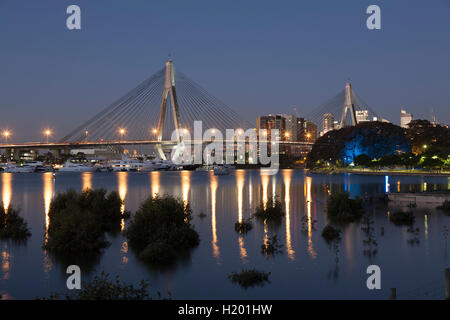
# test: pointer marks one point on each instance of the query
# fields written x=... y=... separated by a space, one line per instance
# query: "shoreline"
x=380 y=172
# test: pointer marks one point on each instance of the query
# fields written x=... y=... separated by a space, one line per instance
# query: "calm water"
x=308 y=268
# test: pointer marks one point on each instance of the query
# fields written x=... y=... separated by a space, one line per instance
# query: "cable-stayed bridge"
x=169 y=102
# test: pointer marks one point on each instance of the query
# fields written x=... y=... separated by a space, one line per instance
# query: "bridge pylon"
x=348 y=106
x=169 y=87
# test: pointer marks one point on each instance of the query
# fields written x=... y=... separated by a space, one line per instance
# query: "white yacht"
x=126 y=164
x=76 y=167
x=15 y=168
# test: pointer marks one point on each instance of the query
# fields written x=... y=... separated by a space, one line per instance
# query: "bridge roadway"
x=91 y=144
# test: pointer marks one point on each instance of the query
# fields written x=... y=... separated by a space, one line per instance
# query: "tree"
x=363 y=160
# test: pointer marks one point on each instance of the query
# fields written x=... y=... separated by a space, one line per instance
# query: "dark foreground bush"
x=78 y=221
x=272 y=210
x=161 y=230
x=445 y=207
x=12 y=226
x=249 y=278
x=244 y=226
x=402 y=218
x=102 y=288
x=330 y=233
x=342 y=209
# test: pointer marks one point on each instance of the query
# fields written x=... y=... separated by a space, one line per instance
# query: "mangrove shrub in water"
x=161 y=230
x=78 y=221
x=402 y=218
x=330 y=233
x=243 y=226
x=249 y=278
x=12 y=226
x=445 y=207
x=341 y=208
x=102 y=288
x=272 y=210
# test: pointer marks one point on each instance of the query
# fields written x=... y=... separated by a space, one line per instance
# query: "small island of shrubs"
x=272 y=210
x=330 y=233
x=249 y=278
x=445 y=207
x=160 y=230
x=102 y=288
x=402 y=218
x=12 y=225
x=342 y=209
x=78 y=221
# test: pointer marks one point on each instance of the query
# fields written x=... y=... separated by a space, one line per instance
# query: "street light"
x=47 y=133
x=6 y=134
x=122 y=131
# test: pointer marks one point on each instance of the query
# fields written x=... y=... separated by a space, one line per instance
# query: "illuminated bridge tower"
x=348 y=106
x=169 y=87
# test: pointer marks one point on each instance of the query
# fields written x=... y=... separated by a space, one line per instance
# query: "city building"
x=362 y=116
x=405 y=118
x=327 y=123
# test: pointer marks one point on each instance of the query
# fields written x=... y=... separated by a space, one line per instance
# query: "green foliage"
x=244 y=226
x=12 y=226
x=374 y=139
x=161 y=230
x=102 y=288
x=330 y=233
x=249 y=278
x=272 y=210
x=445 y=207
x=363 y=160
x=342 y=209
x=78 y=221
x=271 y=246
x=402 y=218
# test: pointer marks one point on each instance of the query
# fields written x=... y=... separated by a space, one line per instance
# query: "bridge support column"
x=169 y=87
x=348 y=106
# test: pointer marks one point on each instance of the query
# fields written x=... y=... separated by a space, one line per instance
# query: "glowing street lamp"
x=308 y=135
x=47 y=133
x=122 y=132
x=6 y=135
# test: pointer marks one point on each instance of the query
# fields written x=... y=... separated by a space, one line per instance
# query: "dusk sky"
x=258 y=57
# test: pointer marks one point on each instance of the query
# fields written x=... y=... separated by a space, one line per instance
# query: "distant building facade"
x=405 y=118
x=327 y=123
x=362 y=116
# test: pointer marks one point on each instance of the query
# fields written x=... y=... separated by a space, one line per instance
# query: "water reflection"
x=155 y=182
x=308 y=198
x=287 y=175
x=6 y=265
x=185 y=184
x=122 y=181
x=49 y=191
x=86 y=178
x=6 y=189
x=240 y=180
x=265 y=187
x=214 y=182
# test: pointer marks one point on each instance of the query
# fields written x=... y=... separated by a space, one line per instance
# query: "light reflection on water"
x=306 y=260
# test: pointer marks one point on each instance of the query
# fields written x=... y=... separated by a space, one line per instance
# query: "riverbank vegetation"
x=78 y=221
x=342 y=209
x=160 y=230
x=12 y=225
x=378 y=146
x=249 y=278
